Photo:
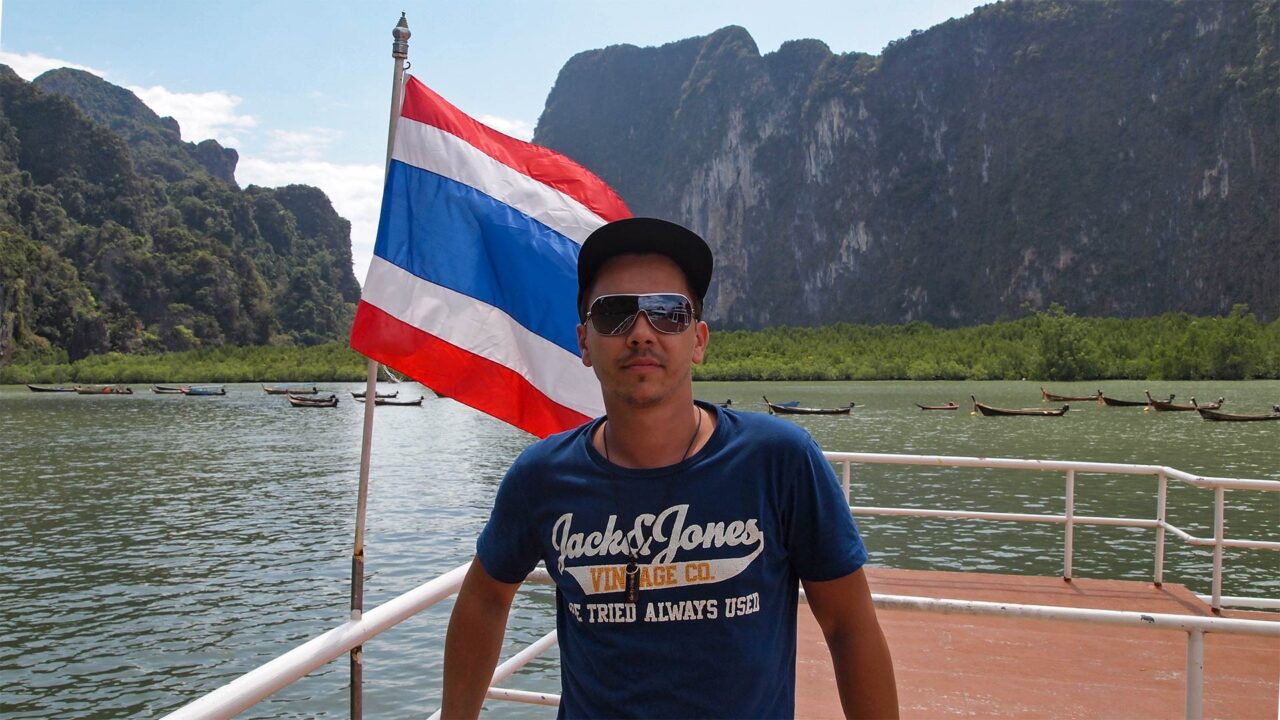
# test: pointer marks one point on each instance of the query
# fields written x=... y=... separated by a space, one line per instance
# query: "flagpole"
x=400 y=54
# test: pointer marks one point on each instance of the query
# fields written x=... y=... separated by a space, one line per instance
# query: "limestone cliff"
x=1119 y=158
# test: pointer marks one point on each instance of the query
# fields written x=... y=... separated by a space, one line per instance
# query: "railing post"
x=1219 y=522
x=847 y=497
x=1194 y=709
x=1162 y=501
x=1071 y=528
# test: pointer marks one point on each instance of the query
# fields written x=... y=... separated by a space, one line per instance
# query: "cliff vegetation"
x=117 y=236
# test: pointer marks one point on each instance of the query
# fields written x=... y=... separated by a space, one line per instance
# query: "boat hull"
x=274 y=390
x=1112 y=402
x=792 y=409
x=331 y=401
x=1052 y=397
x=990 y=411
x=1216 y=416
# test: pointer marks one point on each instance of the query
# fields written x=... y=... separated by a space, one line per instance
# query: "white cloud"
x=354 y=189
x=201 y=115
x=291 y=156
x=30 y=65
x=307 y=144
x=515 y=128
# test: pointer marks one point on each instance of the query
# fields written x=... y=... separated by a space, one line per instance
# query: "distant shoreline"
x=1049 y=347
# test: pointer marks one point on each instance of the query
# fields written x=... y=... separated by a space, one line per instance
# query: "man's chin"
x=642 y=398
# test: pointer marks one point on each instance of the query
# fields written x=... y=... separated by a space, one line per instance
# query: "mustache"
x=643 y=354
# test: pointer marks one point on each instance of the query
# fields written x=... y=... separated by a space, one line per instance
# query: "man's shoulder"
x=553 y=449
x=767 y=431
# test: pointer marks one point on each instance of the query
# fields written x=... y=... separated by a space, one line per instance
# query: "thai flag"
x=474 y=276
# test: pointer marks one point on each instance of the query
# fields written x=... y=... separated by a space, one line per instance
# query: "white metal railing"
x=258 y=684
x=1069 y=519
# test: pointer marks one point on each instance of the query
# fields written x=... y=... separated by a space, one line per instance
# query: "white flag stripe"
x=430 y=148
x=486 y=331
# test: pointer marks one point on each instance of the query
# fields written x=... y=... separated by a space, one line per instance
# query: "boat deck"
x=948 y=665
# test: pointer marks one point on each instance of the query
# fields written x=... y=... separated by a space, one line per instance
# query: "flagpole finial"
x=400 y=48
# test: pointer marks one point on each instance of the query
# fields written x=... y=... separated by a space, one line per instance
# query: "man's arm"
x=471 y=648
x=864 y=670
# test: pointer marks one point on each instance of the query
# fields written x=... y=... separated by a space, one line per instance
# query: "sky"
x=302 y=89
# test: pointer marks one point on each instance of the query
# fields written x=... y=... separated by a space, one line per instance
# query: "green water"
x=156 y=546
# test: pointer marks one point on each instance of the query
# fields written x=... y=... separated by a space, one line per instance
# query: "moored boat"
x=330 y=401
x=103 y=390
x=378 y=395
x=1113 y=402
x=379 y=400
x=398 y=402
x=204 y=390
x=1030 y=412
x=1054 y=397
x=167 y=389
x=949 y=406
x=1171 y=406
x=795 y=409
x=290 y=389
x=50 y=388
x=1210 y=414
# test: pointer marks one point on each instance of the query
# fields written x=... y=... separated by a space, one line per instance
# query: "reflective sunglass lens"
x=615 y=314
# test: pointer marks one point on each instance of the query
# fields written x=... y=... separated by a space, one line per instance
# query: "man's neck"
x=654 y=437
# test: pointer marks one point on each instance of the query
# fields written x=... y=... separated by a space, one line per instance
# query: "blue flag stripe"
x=457 y=237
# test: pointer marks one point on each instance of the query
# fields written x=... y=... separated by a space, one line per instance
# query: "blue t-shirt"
x=723 y=538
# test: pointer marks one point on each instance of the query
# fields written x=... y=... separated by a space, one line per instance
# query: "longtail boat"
x=1171 y=406
x=1209 y=414
x=379 y=400
x=290 y=389
x=949 y=406
x=167 y=389
x=331 y=401
x=1033 y=412
x=103 y=390
x=204 y=390
x=1112 y=402
x=49 y=388
x=1054 y=397
x=790 y=409
x=376 y=395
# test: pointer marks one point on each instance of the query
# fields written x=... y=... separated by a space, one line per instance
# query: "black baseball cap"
x=639 y=235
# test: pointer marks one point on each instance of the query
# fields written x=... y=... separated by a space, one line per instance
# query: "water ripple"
x=162 y=545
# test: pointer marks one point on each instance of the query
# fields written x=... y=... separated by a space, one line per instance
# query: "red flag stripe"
x=422 y=104
x=472 y=380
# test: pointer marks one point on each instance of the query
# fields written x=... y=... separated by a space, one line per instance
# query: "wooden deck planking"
x=965 y=665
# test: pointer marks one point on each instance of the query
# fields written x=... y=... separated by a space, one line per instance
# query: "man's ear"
x=700 y=346
x=582 y=345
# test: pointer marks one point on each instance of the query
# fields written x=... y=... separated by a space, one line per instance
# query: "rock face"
x=1118 y=158
x=156 y=142
x=115 y=235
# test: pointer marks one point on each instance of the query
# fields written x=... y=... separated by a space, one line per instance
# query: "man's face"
x=642 y=367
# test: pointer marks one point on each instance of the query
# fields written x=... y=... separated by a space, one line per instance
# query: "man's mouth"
x=641 y=363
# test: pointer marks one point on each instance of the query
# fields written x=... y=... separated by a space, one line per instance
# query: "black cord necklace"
x=633 y=562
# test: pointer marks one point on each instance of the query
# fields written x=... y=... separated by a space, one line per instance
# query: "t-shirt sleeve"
x=506 y=547
x=821 y=537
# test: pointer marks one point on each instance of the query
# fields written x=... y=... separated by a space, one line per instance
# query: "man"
x=675 y=531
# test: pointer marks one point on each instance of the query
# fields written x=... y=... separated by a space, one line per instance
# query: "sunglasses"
x=669 y=313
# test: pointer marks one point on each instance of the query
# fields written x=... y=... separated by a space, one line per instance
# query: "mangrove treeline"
x=1051 y=345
